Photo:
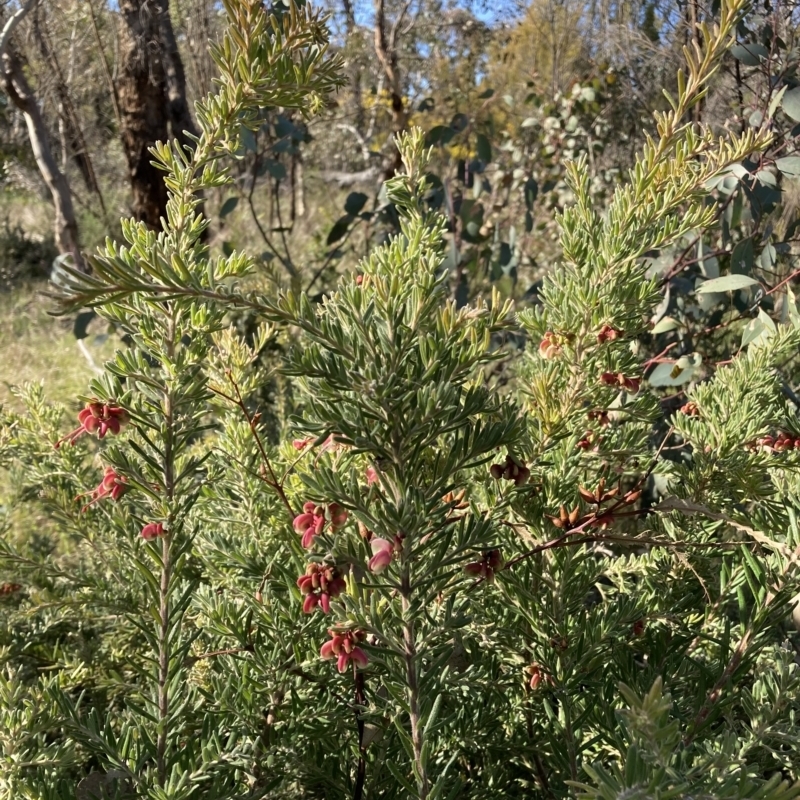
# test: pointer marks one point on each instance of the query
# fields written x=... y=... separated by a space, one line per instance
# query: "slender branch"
x=252 y=421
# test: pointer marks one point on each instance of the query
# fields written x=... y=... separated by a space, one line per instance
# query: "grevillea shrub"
x=464 y=571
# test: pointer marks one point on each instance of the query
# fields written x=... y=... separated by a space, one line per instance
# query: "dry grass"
x=35 y=346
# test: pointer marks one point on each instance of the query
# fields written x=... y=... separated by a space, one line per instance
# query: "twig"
x=252 y=421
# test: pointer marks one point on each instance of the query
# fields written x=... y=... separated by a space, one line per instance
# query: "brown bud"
x=586 y=494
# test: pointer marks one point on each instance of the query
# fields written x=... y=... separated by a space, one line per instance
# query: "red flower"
x=113 y=485
x=343 y=646
x=372 y=475
x=7 y=589
x=301 y=444
x=97 y=418
x=320 y=583
x=490 y=562
x=152 y=531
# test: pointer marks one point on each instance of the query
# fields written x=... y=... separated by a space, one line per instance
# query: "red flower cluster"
x=630 y=385
x=690 y=409
x=343 y=646
x=113 y=485
x=312 y=521
x=97 y=418
x=320 y=583
x=153 y=530
x=7 y=589
x=490 y=562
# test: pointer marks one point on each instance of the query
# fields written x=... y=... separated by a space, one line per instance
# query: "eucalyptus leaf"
x=727 y=283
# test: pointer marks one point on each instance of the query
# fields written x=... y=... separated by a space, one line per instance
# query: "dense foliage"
x=406 y=539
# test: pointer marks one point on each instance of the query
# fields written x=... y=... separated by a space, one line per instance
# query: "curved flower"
x=152 y=531
x=310 y=523
x=343 y=646
x=113 y=485
x=382 y=554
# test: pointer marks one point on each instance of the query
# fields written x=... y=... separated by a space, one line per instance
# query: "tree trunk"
x=65 y=224
x=152 y=100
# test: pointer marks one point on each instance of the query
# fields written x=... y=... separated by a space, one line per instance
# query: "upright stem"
x=166 y=576
x=412 y=685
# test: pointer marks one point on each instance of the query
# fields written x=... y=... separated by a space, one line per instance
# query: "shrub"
x=458 y=577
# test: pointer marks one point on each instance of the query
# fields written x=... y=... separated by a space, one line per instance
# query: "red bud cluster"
x=550 y=347
x=320 y=583
x=490 y=562
x=600 y=416
x=630 y=385
x=311 y=522
x=777 y=444
x=690 y=409
x=608 y=334
x=511 y=470
x=7 y=589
